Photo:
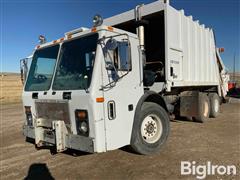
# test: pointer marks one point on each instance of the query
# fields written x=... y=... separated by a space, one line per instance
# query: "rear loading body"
x=181 y=51
x=107 y=87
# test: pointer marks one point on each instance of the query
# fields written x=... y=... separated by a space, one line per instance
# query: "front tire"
x=151 y=129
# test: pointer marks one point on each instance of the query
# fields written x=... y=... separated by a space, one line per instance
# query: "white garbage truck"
x=119 y=82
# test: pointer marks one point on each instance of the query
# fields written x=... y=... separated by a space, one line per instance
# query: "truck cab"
x=82 y=91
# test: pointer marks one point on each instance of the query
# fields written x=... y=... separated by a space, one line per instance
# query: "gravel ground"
x=217 y=140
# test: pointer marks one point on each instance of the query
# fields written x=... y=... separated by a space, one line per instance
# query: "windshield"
x=76 y=63
x=42 y=68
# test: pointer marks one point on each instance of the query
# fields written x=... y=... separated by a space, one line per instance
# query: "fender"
x=148 y=96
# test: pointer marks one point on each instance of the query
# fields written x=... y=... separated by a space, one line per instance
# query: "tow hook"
x=39 y=145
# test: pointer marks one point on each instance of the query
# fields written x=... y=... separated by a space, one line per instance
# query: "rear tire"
x=151 y=129
x=203 y=108
x=214 y=105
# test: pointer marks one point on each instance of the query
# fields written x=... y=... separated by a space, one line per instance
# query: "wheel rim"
x=151 y=128
x=216 y=105
x=206 y=108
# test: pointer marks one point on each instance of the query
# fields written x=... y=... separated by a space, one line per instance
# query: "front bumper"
x=72 y=141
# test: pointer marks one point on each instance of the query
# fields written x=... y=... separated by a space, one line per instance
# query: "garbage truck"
x=120 y=82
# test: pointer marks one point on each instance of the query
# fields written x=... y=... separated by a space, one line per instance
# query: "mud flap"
x=189 y=103
x=60 y=133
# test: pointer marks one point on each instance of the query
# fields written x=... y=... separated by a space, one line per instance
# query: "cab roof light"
x=94 y=29
x=75 y=31
x=110 y=28
x=61 y=39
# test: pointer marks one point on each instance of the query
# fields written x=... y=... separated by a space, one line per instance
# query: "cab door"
x=122 y=89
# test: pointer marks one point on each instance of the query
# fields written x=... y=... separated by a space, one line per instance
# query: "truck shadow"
x=52 y=149
x=39 y=171
x=76 y=153
x=128 y=149
x=184 y=119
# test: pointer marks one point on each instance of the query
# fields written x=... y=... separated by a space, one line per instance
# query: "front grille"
x=53 y=110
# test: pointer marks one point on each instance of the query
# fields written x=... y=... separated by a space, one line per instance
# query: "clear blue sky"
x=22 y=21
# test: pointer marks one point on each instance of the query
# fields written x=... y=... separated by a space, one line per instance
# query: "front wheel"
x=151 y=129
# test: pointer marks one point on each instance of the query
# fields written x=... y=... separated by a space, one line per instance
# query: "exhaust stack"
x=140 y=26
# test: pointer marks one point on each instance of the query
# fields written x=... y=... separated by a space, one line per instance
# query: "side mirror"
x=23 y=69
x=120 y=52
x=124 y=56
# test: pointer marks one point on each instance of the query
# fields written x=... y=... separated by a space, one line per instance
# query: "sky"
x=22 y=21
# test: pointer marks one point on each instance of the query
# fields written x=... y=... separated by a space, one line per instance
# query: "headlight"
x=28 y=115
x=82 y=122
x=84 y=127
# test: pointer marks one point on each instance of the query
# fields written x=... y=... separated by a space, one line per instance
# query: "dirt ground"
x=217 y=140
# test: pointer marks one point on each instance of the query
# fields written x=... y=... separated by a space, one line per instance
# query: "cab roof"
x=84 y=31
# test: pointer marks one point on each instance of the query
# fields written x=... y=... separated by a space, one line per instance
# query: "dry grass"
x=11 y=88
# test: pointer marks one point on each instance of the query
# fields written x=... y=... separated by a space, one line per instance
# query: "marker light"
x=61 y=39
x=97 y=20
x=81 y=115
x=221 y=50
x=94 y=29
x=100 y=99
x=110 y=28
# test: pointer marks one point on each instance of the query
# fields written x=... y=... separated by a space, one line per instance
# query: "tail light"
x=82 y=122
x=28 y=115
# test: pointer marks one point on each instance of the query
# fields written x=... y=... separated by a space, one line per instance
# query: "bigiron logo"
x=201 y=171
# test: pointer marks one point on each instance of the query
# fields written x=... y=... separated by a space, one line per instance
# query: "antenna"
x=234 y=59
